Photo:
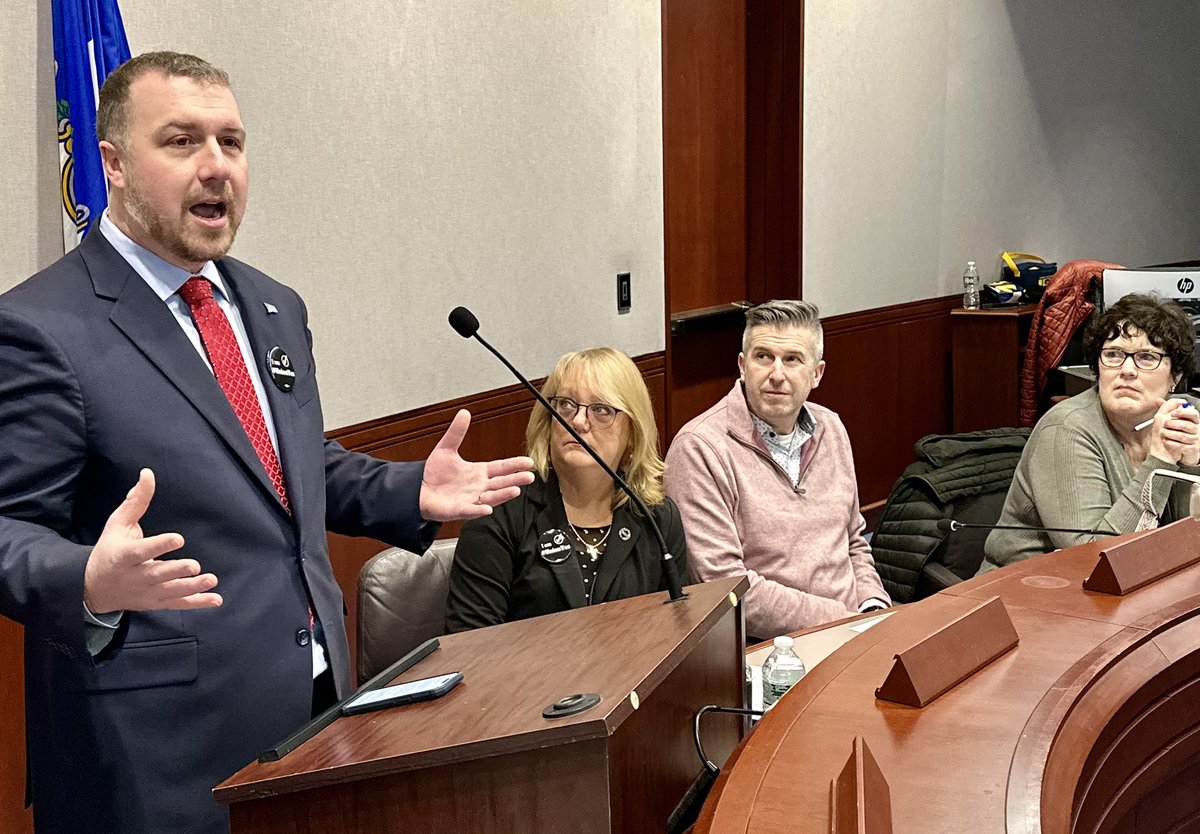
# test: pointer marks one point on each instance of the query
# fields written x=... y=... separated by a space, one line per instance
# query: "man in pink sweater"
x=765 y=483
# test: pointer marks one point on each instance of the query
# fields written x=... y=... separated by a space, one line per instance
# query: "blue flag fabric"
x=89 y=43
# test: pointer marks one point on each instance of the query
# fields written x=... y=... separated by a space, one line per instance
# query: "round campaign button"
x=554 y=546
x=279 y=365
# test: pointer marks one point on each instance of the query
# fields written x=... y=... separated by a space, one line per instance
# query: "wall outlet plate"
x=624 y=292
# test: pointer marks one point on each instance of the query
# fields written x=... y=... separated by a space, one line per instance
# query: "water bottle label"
x=779 y=680
x=773 y=692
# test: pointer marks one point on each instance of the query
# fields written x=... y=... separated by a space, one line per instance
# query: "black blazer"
x=499 y=576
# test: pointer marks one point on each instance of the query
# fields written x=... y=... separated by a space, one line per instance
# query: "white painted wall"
x=941 y=131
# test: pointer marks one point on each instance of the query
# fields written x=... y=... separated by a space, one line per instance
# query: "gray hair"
x=786 y=313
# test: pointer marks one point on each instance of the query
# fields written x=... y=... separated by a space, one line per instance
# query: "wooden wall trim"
x=893 y=313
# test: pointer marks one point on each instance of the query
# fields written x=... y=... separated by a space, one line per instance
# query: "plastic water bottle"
x=971 y=287
x=781 y=671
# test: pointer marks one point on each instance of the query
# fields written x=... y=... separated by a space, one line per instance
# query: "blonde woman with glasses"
x=573 y=538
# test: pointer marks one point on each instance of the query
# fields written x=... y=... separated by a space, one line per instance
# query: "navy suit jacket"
x=97 y=380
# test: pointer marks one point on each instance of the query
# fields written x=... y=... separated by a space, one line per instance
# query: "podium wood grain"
x=482 y=759
x=1091 y=724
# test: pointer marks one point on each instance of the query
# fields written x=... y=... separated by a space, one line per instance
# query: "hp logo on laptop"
x=1186 y=285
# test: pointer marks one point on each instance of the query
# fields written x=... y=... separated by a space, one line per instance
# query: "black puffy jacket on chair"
x=960 y=476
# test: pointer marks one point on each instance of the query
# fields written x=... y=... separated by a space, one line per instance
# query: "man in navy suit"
x=175 y=629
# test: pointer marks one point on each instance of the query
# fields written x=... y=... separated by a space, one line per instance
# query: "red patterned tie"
x=230 y=368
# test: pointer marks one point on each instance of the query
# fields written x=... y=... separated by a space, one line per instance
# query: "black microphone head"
x=464 y=322
x=945 y=525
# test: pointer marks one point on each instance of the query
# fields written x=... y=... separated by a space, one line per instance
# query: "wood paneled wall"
x=733 y=92
x=14 y=818
x=774 y=148
x=732 y=180
x=704 y=152
x=704 y=191
x=888 y=376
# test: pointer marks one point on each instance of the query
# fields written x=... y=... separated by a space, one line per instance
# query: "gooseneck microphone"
x=949 y=525
x=466 y=325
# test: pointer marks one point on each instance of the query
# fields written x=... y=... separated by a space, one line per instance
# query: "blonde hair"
x=615 y=380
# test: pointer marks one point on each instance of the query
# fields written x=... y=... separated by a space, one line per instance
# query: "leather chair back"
x=401 y=603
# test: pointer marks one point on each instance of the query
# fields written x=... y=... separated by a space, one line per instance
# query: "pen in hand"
x=1145 y=423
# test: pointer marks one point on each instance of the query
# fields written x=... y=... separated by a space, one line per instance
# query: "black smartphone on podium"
x=425 y=689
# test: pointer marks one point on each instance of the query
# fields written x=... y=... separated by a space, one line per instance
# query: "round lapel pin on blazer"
x=554 y=546
x=279 y=365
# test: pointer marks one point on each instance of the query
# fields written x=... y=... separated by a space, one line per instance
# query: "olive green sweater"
x=1074 y=473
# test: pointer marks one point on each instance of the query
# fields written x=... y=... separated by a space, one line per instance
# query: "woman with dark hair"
x=572 y=538
x=1088 y=462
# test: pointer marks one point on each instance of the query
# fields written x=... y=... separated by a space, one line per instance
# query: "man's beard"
x=194 y=251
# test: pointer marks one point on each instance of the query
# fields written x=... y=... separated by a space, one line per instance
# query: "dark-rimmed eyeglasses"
x=1145 y=360
x=600 y=415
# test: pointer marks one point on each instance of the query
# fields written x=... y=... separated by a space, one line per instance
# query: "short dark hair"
x=1162 y=321
x=111 y=116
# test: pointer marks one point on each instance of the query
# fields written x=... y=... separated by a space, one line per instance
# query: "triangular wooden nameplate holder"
x=950 y=655
x=1131 y=564
x=860 y=801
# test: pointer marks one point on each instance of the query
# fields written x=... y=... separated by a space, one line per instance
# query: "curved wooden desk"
x=1091 y=724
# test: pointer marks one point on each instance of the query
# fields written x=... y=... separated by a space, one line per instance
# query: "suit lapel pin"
x=624 y=534
x=271 y=308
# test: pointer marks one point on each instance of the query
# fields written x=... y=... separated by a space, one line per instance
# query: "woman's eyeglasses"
x=1145 y=360
x=600 y=415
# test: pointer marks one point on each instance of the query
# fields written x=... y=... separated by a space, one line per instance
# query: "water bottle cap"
x=783 y=642
x=970 y=264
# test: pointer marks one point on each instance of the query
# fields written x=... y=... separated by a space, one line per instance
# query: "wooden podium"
x=483 y=759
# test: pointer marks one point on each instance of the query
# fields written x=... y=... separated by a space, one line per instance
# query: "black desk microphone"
x=949 y=525
x=466 y=325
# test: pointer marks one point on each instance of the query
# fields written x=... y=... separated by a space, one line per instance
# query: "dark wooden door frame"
x=732 y=178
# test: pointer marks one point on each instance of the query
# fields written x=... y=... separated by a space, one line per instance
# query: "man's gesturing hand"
x=123 y=572
x=455 y=488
